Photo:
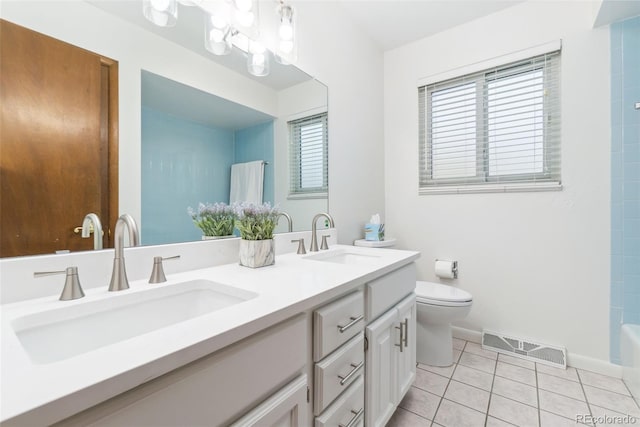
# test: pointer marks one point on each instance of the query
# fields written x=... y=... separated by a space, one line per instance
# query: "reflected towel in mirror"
x=247 y=182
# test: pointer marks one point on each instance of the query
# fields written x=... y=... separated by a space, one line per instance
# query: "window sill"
x=492 y=188
x=307 y=196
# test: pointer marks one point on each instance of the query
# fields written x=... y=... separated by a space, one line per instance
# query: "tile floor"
x=484 y=388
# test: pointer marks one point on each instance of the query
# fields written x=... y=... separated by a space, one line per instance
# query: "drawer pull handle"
x=355 y=369
x=406 y=332
x=402 y=340
x=354 y=320
x=354 y=420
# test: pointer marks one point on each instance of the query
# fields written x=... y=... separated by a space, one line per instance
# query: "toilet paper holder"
x=446 y=269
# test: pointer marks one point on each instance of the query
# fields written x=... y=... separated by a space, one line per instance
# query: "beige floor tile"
x=513 y=412
x=456 y=355
x=431 y=382
x=474 y=348
x=568 y=374
x=420 y=402
x=494 y=422
x=547 y=419
x=515 y=390
x=607 y=417
x=516 y=373
x=560 y=386
x=562 y=405
x=610 y=400
x=473 y=377
x=512 y=360
x=404 y=418
x=451 y=414
x=603 y=381
x=477 y=362
x=467 y=395
x=458 y=344
x=444 y=371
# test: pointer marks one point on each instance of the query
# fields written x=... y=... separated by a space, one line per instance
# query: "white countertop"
x=46 y=393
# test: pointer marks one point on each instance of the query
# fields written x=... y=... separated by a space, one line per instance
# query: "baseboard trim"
x=575 y=360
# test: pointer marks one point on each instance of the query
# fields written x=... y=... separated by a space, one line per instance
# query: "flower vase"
x=257 y=253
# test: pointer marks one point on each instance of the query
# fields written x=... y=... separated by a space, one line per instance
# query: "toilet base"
x=435 y=345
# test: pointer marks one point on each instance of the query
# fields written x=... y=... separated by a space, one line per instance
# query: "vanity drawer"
x=335 y=323
x=384 y=292
x=336 y=372
x=349 y=407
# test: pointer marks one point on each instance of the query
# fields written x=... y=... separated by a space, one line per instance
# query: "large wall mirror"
x=184 y=115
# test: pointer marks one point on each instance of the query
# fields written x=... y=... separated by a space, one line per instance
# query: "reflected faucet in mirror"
x=91 y=223
x=314 y=237
x=119 y=281
x=289 y=220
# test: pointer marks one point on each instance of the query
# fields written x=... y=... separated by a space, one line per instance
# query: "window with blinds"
x=308 y=153
x=494 y=130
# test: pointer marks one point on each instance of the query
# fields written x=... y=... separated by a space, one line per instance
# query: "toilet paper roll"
x=445 y=269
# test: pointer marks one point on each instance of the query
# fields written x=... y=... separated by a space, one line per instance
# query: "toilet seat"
x=443 y=295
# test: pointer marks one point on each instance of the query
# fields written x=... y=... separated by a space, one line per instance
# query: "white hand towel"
x=247 y=182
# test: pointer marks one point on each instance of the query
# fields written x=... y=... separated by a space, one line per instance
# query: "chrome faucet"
x=286 y=215
x=314 y=237
x=119 y=280
x=92 y=219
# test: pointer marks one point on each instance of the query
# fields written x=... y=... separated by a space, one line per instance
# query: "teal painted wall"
x=625 y=179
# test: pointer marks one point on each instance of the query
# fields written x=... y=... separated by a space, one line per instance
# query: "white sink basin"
x=64 y=332
x=345 y=257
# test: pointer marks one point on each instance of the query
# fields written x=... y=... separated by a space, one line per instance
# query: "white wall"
x=537 y=264
x=334 y=51
x=296 y=102
x=330 y=49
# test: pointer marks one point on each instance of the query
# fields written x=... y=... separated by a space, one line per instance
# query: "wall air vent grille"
x=535 y=352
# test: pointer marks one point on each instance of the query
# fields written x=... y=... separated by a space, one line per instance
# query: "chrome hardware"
x=356 y=368
x=119 y=281
x=72 y=289
x=356 y=417
x=354 y=320
x=637 y=106
x=324 y=245
x=301 y=248
x=91 y=224
x=314 y=238
x=157 y=274
x=289 y=220
x=406 y=333
x=401 y=328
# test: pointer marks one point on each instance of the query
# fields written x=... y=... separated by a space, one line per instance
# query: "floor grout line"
x=457 y=363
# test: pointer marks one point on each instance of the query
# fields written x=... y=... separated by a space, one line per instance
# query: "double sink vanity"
x=324 y=339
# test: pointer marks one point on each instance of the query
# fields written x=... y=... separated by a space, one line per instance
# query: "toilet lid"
x=429 y=292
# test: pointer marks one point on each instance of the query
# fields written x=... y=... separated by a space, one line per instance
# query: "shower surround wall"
x=625 y=178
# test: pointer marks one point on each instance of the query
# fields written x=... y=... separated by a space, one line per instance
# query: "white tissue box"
x=374 y=232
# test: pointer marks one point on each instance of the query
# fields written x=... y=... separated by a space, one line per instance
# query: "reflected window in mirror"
x=308 y=150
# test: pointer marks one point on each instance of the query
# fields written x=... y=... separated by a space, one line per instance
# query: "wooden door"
x=58 y=142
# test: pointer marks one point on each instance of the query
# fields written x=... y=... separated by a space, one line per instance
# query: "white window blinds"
x=498 y=129
x=308 y=153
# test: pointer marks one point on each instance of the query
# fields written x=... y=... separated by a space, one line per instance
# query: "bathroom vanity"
x=321 y=339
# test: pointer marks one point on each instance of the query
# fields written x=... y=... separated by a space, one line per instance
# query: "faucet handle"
x=301 y=248
x=157 y=274
x=324 y=245
x=72 y=289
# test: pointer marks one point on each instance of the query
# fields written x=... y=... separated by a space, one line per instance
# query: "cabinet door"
x=407 y=357
x=286 y=408
x=383 y=336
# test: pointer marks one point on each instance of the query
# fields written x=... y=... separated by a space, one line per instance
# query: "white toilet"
x=437 y=306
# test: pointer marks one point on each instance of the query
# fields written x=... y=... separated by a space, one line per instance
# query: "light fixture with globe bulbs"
x=235 y=23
